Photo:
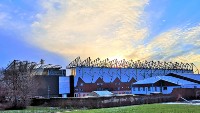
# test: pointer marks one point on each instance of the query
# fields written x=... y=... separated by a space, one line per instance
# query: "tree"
x=19 y=84
x=3 y=91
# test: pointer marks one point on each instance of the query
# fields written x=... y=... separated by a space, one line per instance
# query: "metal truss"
x=147 y=65
x=33 y=66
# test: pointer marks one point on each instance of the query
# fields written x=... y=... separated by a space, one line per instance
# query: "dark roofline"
x=183 y=77
x=155 y=84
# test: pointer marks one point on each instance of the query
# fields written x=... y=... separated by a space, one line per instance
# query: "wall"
x=81 y=94
x=152 y=89
x=102 y=102
x=135 y=90
x=45 y=82
x=91 y=74
x=169 y=89
x=188 y=93
x=64 y=84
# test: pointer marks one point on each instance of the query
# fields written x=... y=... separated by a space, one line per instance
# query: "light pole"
x=48 y=90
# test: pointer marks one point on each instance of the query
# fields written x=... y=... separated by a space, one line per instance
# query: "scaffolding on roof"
x=151 y=65
x=37 y=68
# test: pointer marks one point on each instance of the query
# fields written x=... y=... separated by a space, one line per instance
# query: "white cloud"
x=104 y=28
x=110 y=28
x=3 y=18
x=177 y=44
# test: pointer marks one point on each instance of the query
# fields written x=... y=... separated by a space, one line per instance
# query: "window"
x=138 y=88
x=155 y=89
x=99 y=89
x=164 y=88
x=76 y=95
x=133 y=88
x=117 y=83
x=81 y=84
x=76 y=89
x=149 y=89
x=98 y=84
x=118 y=88
x=143 y=88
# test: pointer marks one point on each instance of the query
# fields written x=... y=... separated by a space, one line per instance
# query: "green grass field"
x=147 y=108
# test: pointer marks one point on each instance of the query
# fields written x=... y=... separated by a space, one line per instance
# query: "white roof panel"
x=103 y=93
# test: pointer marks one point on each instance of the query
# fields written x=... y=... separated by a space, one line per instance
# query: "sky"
x=58 y=31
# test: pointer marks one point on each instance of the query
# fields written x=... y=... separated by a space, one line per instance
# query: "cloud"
x=176 y=42
x=104 y=28
x=15 y=16
x=110 y=28
x=179 y=44
x=3 y=17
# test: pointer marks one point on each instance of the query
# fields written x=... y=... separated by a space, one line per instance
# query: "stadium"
x=118 y=76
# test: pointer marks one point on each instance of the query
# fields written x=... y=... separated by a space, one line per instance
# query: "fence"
x=103 y=102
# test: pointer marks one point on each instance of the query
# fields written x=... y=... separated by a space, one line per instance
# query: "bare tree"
x=19 y=83
x=3 y=91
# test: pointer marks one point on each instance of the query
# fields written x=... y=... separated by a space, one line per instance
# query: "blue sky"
x=60 y=30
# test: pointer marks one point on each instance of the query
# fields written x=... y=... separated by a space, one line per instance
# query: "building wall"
x=64 y=85
x=151 y=89
x=169 y=89
x=47 y=86
x=54 y=86
x=188 y=93
x=81 y=94
x=90 y=75
x=117 y=87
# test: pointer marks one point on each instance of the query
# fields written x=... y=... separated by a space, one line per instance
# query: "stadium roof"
x=106 y=63
x=189 y=75
x=170 y=79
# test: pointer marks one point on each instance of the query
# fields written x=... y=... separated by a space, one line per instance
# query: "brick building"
x=116 y=86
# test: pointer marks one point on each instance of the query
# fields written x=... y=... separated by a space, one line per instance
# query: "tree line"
x=17 y=87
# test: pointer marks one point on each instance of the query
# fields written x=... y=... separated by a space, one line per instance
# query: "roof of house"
x=103 y=93
x=170 y=79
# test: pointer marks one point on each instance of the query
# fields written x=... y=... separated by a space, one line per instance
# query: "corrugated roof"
x=190 y=75
x=90 y=75
x=170 y=79
x=103 y=93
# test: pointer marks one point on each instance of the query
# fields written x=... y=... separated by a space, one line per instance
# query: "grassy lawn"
x=36 y=109
x=147 y=108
